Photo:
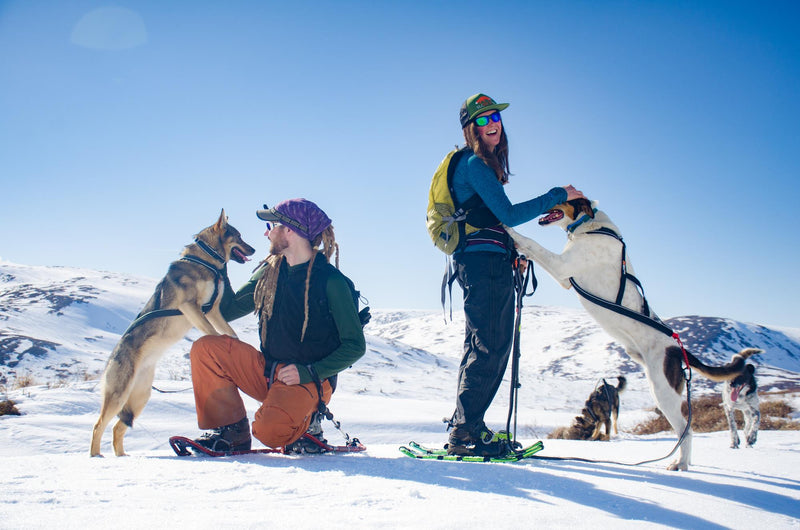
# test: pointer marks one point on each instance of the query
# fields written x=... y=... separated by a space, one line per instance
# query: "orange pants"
x=222 y=365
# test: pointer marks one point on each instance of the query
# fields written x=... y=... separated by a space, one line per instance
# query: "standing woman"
x=484 y=271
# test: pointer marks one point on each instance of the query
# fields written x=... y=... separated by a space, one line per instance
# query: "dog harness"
x=623 y=277
x=158 y=312
x=645 y=316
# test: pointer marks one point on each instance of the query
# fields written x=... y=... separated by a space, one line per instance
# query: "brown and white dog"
x=599 y=411
x=593 y=260
x=188 y=296
x=742 y=394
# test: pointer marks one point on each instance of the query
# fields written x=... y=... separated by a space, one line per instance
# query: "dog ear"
x=586 y=207
x=581 y=206
x=222 y=222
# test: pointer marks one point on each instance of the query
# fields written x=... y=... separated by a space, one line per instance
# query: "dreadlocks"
x=329 y=244
x=266 y=287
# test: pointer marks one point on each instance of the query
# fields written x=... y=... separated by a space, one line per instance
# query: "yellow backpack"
x=447 y=224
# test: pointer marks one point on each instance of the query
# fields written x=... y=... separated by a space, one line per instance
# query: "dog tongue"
x=245 y=258
x=735 y=393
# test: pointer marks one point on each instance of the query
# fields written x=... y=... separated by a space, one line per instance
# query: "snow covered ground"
x=47 y=479
x=60 y=330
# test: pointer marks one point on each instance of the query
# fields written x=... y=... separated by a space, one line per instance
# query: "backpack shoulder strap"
x=451 y=169
x=364 y=315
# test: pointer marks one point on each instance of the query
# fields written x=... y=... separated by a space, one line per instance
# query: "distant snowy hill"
x=60 y=324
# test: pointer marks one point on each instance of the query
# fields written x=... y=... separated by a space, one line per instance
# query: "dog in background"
x=595 y=262
x=188 y=296
x=742 y=394
x=599 y=411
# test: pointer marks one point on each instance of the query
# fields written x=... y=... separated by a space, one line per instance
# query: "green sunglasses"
x=483 y=121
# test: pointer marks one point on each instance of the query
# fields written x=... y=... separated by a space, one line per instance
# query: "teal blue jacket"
x=472 y=176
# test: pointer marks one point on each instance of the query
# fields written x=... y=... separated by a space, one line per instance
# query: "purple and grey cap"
x=301 y=215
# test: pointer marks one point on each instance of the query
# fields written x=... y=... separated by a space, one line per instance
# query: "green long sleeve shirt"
x=352 y=345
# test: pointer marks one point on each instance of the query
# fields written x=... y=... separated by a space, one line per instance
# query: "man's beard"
x=277 y=246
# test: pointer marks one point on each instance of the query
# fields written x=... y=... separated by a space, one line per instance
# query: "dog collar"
x=208 y=250
x=582 y=219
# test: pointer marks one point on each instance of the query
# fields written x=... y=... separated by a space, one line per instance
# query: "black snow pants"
x=488 y=283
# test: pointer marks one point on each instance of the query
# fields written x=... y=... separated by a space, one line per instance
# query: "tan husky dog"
x=188 y=296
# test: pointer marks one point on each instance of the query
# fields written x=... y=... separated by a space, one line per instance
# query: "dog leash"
x=171 y=391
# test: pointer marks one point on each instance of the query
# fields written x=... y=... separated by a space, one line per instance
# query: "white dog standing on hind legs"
x=594 y=261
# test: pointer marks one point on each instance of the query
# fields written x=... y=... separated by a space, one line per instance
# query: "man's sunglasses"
x=483 y=121
x=272 y=226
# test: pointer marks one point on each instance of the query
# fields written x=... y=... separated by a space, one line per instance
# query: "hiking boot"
x=483 y=443
x=306 y=445
x=315 y=427
x=228 y=438
x=303 y=444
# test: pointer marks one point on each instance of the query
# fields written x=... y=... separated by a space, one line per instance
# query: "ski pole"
x=520 y=286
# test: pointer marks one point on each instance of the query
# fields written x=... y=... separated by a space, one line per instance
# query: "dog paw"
x=678 y=466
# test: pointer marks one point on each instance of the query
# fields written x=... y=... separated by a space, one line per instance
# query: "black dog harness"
x=158 y=312
x=642 y=316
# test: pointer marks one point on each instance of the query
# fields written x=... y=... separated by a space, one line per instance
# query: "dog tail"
x=747 y=352
x=622 y=384
x=725 y=372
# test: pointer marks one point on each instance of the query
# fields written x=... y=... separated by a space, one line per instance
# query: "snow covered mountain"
x=60 y=324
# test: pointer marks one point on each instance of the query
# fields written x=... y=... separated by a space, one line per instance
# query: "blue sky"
x=126 y=126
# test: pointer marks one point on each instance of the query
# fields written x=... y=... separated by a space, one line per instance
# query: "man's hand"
x=288 y=375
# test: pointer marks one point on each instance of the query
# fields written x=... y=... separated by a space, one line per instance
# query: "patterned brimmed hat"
x=301 y=215
x=478 y=104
